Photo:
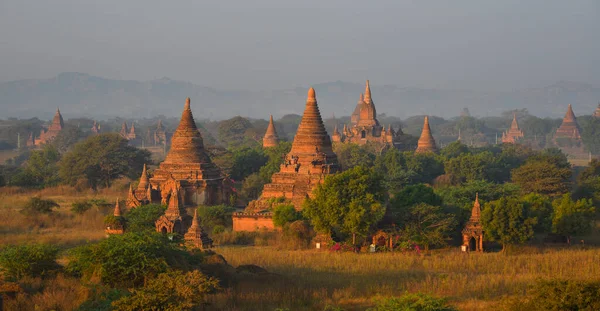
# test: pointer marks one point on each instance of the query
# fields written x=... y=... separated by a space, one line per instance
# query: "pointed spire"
x=187 y=145
x=174 y=207
x=132 y=129
x=426 y=142
x=569 y=127
x=476 y=211
x=311 y=133
x=117 y=212
x=367 y=98
x=271 y=138
x=195 y=221
x=144 y=180
x=361 y=98
x=569 y=116
x=57 y=122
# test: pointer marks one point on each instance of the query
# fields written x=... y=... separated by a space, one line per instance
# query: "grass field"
x=315 y=279
x=311 y=279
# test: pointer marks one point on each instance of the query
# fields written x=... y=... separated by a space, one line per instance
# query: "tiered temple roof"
x=47 y=135
x=426 y=142
x=306 y=165
x=569 y=127
x=187 y=165
x=271 y=138
x=513 y=134
x=196 y=237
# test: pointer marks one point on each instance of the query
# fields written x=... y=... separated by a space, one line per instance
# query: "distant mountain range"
x=83 y=95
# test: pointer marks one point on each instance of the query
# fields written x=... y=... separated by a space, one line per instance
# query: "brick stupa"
x=271 y=139
x=513 y=134
x=196 y=237
x=307 y=164
x=47 y=135
x=569 y=127
x=187 y=168
x=426 y=142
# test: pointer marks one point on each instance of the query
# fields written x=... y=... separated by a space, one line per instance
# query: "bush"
x=218 y=215
x=556 y=295
x=128 y=259
x=142 y=218
x=413 y=302
x=28 y=260
x=284 y=214
x=80 y=207
x=37 y=205
x=174 y=290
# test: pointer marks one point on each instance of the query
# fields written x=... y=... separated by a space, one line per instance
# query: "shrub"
x=37 y=205
x=126 y=260
x=80 y=207
x=413 y=302
x=142 y=218
x=174 y=290
x=555 y=295
x=218 y=215
x=218 y=229
x=284 y=214
x=28 y=260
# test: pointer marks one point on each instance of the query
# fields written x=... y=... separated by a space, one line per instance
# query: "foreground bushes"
x=28 y=260
x=413 y=302
x=558 y=295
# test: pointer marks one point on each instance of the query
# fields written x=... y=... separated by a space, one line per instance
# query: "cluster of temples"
x=364 y=125
x=47 y=135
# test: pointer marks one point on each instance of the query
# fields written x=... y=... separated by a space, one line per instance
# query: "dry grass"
x=470 y=281
x=62 y=227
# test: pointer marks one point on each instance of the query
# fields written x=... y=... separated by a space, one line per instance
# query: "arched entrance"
x=472 y=244
x=163 y=230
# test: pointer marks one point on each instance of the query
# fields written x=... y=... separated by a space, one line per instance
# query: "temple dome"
x=187 y=145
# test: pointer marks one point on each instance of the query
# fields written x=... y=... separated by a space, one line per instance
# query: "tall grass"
x=470 y=281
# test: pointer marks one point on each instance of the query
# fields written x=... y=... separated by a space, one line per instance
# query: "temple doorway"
x=472 y=244
x=363 y=134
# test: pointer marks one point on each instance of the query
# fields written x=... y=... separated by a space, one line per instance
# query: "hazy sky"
x=268 y=44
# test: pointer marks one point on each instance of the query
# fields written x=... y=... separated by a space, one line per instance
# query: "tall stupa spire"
x=271 y=138
x=367 y=98
x=187 y=145
x=426 y=142
x=311 y=134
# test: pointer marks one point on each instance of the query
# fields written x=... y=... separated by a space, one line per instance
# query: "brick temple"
x=426 y=142
x=364 y=124
x=513 y=134
x=309 y=161
x=47 y=135
x=271 y=138
x=473 y=231
x=187 y=171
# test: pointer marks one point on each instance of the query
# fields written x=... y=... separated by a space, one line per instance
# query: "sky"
x=275 y=44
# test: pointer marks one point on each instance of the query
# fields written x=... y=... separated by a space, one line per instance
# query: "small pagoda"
x=47 y=135
x=116 y=223
x=426 y=142
x=271 y=138
x=175 y=219
x=513 y=134
x=596 y=113
x=143 y=193
x=569 y=129
x=309 y=161
x=196 y=237
x=473 y=231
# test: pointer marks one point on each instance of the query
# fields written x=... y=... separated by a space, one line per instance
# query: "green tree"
x=426 y=225
x=472 y=167
x=351 y=155
x=588 y=182
x=541 y=208
x=454 y=150
x=142 y=218
x=392 y=166
x=572 y=217
x=126 y=260
x=173 y=291
x=412 y=195
x=67 y=137
x=423 y=167
x=42 y=166
x=17 y=261
x=350 y=203
x=284 y=214
x=508 y=221
x=216 y=215
x=546 y=174
x=101 y=159
x=232 y=132
x=590 y=135
x=413 y=302
x=247 y=161
x=252 y=187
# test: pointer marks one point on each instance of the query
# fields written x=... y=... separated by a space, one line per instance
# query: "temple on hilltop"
x=47 y=135
x=513 y=134
x=307 y=164
x=187 y=174
x=569 y=129
x=426 y=142
x=271 y=138
x=473 y=231
x=364 y=124
x=596 y=113
x=160 y=135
